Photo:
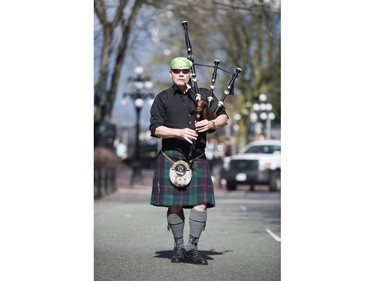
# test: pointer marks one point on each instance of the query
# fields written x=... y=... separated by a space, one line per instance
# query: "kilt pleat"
x=199 y=191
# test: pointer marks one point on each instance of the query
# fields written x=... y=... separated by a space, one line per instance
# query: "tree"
x=107 y=82
x=254 y=43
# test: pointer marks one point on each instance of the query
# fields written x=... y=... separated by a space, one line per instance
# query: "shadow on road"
x=204 y=254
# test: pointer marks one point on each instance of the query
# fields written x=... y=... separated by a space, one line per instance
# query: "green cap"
x=181 y=62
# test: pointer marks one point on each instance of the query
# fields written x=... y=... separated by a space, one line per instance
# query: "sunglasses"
x=184 y=71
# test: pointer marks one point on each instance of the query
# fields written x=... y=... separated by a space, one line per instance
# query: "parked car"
x=259 y=162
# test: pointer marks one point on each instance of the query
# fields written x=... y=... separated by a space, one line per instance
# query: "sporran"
x=180 y=173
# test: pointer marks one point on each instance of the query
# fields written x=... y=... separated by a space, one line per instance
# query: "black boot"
x=178 y=255
x=193 y=256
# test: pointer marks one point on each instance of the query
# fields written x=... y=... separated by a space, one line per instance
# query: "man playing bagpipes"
x=182 y=178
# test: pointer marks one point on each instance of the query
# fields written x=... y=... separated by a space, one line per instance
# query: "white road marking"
x=243 y=208
x=274 y=236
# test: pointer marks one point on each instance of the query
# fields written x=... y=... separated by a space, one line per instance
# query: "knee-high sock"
x=176 y=222
x=197 y=222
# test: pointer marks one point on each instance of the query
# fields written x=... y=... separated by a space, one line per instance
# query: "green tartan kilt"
x=199 y=191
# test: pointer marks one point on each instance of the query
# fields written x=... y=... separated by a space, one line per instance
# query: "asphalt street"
x=242 y=240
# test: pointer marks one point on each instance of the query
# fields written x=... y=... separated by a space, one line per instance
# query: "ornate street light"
x=264 y=111
x=139 y=83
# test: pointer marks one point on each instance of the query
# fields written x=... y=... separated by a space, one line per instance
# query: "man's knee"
x=200 y=208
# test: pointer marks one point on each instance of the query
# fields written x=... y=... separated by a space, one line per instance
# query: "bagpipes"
x=204 y=110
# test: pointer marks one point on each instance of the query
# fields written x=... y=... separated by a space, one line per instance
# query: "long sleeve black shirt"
x=174 y=109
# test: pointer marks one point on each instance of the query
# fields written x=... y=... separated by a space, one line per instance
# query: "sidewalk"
x=124 y=176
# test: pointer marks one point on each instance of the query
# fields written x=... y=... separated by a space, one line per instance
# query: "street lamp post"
x=264 y=111
x=139 y=83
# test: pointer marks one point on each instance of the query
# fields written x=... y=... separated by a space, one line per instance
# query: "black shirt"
x=174 y=109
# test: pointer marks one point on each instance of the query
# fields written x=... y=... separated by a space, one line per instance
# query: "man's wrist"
x=179 y=133
x=213 y=125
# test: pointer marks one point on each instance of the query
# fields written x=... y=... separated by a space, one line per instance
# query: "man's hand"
x=204 y=125
x=187 y=134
